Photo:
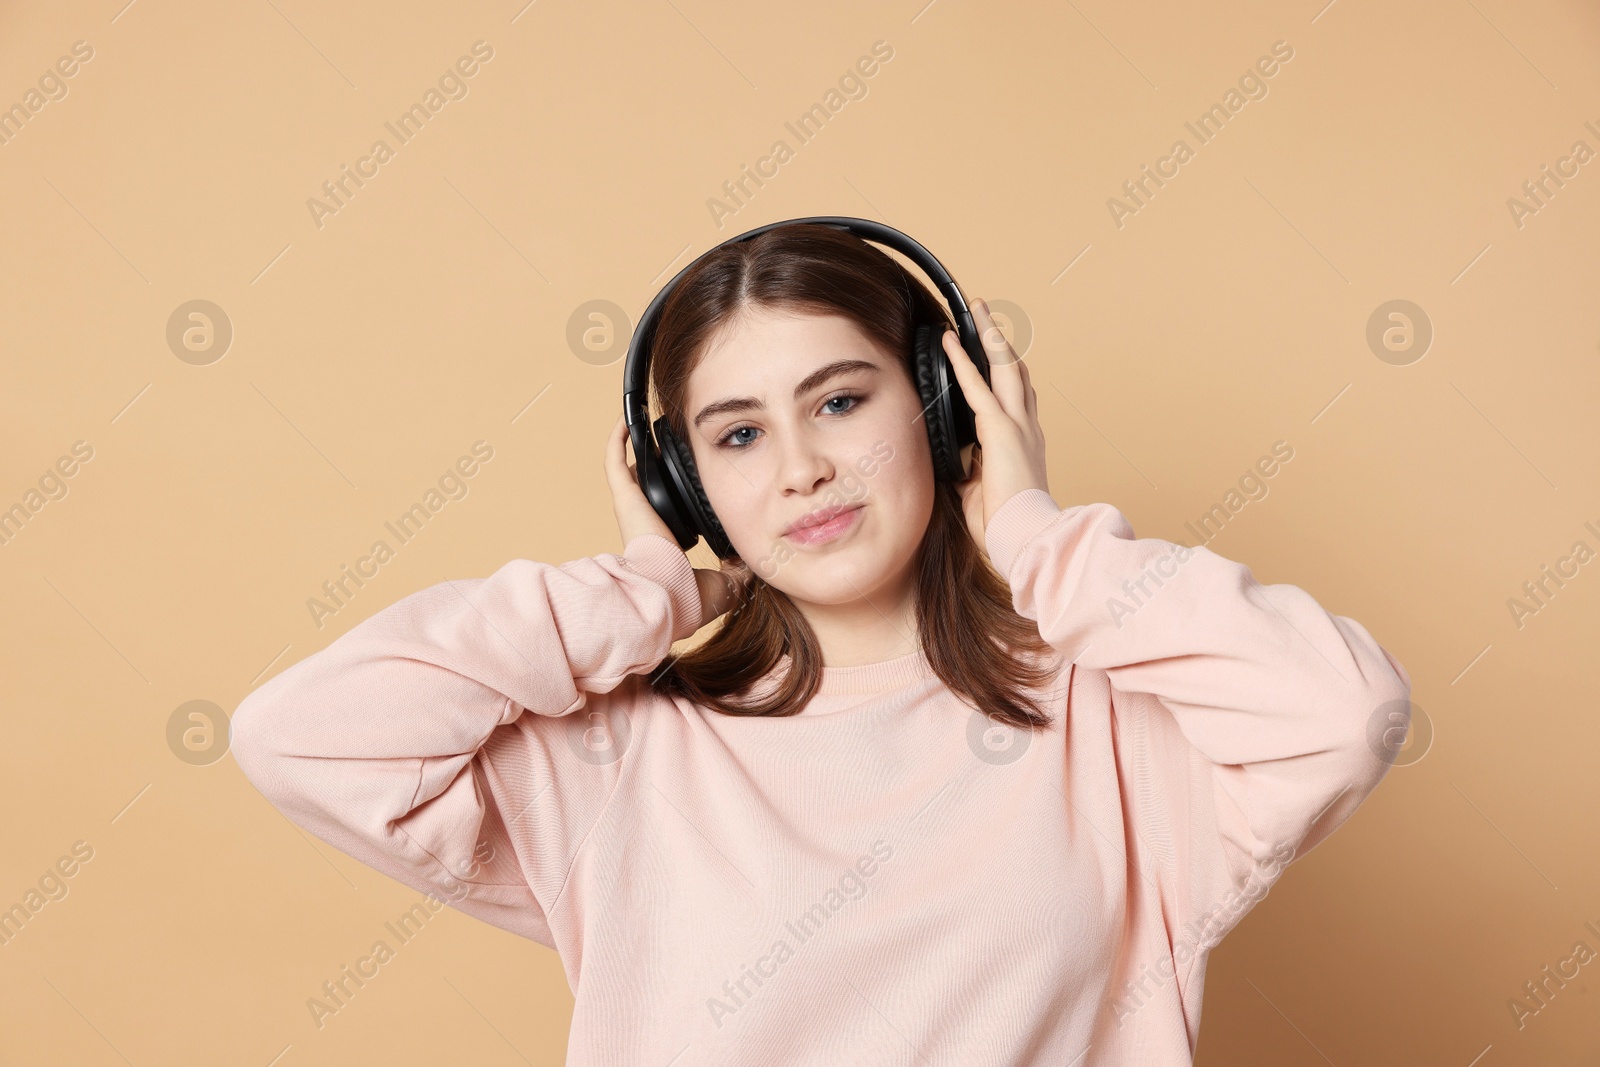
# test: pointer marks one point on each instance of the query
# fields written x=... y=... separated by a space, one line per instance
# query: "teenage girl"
x=962 y=776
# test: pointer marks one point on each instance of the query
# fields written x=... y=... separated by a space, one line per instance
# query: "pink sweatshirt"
x=887 y=877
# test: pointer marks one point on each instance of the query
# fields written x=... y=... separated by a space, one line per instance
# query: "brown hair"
x=972 y=636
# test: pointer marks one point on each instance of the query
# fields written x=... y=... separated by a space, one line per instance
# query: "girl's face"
x=794 y=413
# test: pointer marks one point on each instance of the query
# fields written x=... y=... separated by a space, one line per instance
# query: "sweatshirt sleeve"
x=405 y=744
x=1249 y=706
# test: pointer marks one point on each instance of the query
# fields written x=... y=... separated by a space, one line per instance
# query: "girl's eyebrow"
x=820 y=376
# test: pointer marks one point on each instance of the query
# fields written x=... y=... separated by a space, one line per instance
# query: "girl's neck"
x=871 y=629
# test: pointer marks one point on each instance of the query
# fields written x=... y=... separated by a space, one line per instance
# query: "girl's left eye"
x=843 y=396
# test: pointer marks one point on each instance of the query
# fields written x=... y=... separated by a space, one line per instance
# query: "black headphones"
x=667 y=474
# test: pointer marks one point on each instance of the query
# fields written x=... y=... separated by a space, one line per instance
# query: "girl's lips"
x=824 y=532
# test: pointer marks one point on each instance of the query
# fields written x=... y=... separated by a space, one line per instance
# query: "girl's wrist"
x=717 y=590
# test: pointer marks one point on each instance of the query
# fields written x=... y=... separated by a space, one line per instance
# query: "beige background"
x=369 y=353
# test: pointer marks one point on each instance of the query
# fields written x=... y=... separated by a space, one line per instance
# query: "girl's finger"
x=613 y=445
x=979 y=396
x=1028 y=390
x=995 y=342
x=975 y=468
x=1005 y=369
x=618 y=470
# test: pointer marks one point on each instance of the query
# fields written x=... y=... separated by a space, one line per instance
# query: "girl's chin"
x=843 y=576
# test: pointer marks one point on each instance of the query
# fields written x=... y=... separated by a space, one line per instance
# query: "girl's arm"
x=1271 y=697
x=404 y=742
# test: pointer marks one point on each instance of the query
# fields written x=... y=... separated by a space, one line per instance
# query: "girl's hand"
x=719 y=589
x=1010 y=453
x=722 y=590
x=635 y=516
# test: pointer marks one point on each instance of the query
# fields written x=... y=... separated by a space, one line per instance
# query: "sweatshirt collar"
x=881 y=677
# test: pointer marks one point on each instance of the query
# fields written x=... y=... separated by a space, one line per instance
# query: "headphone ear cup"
x=678 y=458
x=935 y=381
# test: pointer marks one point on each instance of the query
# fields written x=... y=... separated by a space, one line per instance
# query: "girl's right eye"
x=724 y=440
